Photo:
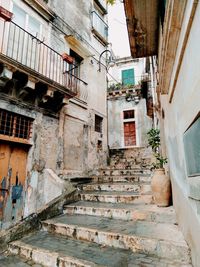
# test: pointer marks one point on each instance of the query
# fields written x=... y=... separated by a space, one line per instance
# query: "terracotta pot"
x=161 y=188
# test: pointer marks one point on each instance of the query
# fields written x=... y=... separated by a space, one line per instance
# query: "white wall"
x=179 y=114
x=127 y=63
x=116 y=106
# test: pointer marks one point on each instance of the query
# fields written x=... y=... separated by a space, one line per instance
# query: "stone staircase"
x=115 y=223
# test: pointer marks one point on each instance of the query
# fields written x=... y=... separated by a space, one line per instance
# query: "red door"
x=129 y=134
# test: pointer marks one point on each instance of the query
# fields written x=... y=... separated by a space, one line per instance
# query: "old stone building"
x=176 y=72
x=52 y=99
x=129 y=93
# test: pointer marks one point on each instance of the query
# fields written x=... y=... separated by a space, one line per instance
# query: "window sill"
x=15 y=140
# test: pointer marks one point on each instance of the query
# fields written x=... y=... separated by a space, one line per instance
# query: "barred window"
x=15 y=125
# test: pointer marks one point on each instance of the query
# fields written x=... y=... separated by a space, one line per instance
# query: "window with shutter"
x=128 y=77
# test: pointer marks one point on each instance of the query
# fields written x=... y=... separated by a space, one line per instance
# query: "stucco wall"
x=179 y=114
x=124 y=64
x=116 y=106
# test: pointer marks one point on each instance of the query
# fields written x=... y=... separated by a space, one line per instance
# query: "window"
x=75 y=68
x=128 y=77
x=129 y=114
x=191 y=141
x=101 y=5
x=14 y=125
x=25 y=21
x=99 y=26
x=98 y=124
x=22 y=46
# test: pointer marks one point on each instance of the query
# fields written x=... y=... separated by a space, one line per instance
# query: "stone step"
x=122 y=178
x=122 y=211
x=16 y=261
x=156 y=239
x=138 y=172
x=116 y=197
x=131 y=162
x=56 y=251
x=129 y=187
x=44 y=248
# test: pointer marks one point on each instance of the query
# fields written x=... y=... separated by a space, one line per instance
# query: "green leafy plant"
x=111 y=2
x=154 y=143
x=154 y=139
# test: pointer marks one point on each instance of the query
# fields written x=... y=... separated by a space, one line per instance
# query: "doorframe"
x=135 y=119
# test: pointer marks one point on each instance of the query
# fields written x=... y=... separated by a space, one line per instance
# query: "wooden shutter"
x=128 y=77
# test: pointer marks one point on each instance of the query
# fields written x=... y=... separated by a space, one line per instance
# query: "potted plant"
x=160 y=183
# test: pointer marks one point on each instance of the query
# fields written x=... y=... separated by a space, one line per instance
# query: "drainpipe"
x=152 y=74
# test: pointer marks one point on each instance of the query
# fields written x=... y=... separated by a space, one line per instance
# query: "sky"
x=118 y=35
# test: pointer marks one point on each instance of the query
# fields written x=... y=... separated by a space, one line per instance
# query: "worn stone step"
x=129 y=187
x=122 y=211
x=130 y=163
x=136 y=171
x=16 y=261
x=122 y=178
x=73 y=253
x=56 y=251
x=157 y=239
x=116 y=197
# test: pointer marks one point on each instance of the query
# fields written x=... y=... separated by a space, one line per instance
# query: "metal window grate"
x=15 y=125
x=98 y=124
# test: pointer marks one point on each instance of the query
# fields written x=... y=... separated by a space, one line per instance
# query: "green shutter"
x=128 y=77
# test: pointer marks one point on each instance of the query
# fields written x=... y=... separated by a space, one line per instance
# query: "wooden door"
x=129 y=134
x=13 y=159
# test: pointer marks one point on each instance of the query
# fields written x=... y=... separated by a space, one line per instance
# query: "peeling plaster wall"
x=42 y=155
x=81 y=153
x=66 y=145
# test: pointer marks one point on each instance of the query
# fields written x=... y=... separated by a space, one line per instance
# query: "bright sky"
x=118 y=35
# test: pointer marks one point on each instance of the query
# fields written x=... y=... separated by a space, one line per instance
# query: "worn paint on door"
x=13 y=158
x=129 y=134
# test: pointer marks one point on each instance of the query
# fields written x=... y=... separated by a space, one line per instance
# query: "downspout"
x=153 y=89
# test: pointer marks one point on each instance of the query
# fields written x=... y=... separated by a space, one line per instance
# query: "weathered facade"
x=177 y=107
x=128 y=95
x=52 y=100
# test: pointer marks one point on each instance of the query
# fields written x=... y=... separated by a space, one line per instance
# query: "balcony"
x=99 y=27
x=27 y=58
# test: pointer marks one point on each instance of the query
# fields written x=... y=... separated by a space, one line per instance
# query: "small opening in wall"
x=99 y=145
x=129 y=114
x=98 y=124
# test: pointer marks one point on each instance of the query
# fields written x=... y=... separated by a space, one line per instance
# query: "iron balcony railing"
x=99 y=25
x=28 y=50
x=118 y=85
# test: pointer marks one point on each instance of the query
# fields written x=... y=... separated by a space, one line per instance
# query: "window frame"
x=98 y=124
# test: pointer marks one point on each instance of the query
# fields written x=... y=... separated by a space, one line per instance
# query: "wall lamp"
x=111 y=58
x=129 y=97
